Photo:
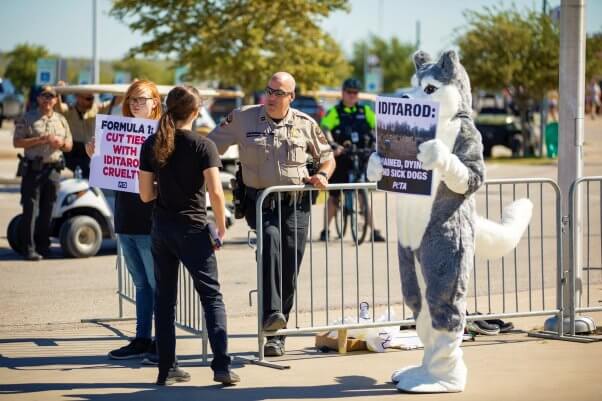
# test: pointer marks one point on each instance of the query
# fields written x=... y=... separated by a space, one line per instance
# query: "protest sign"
x=116 y=158
x=401 y=126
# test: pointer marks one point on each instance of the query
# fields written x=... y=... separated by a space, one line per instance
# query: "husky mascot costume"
x=438 y=234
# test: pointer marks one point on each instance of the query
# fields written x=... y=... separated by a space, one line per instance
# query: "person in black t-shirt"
x=175 y=165
x=132 y=220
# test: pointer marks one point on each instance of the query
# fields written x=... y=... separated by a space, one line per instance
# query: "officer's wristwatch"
x=322 y=173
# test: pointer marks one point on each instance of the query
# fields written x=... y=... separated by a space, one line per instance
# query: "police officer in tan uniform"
x=82 y=120
x=45 y=135
x=275 y=144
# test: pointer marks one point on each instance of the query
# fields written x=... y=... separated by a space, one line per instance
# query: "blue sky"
x=64 y=26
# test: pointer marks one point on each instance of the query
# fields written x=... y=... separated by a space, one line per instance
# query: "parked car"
x=498 y=126
x=11 y=101
x=309 y=105
x=222 y=106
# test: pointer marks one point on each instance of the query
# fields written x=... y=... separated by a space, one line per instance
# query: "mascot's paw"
x=419 y=380
x=397 y=374
x=433 y=154
x=374 y=171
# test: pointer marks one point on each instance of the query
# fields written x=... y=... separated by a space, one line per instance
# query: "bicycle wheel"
x=358 y=217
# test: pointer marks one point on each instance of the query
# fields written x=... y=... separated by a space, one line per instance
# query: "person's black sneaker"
x=323 y=235
x=137 y=348
x=274 y=346
x=275 y=321
x=226 y=377
x=482 y=327
x=378 y=236
x=33 y=256
x=175 y=375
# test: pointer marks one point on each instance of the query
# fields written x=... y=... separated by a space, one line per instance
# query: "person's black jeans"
x=38 y=194
x=172 y=242
x=294 y=222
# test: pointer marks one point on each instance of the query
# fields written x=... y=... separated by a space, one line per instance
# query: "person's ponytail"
x=165 y=139
x=181 y=102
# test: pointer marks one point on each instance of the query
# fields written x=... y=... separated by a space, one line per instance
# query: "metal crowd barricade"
x=337 y=275
x=585 y=246
x=189 y=312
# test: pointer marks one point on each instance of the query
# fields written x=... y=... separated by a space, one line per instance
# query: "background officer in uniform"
x=276 y=142
x=81 y=117
x=348 y=123
x=44 y=135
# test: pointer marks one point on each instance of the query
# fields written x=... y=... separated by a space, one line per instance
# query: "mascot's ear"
x=421 y=58
x=448 y=63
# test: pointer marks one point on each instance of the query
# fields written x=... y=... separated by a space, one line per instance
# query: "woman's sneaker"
x=152 y=357
x=137 y=348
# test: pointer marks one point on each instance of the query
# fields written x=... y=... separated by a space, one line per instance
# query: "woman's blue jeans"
x=136 y=251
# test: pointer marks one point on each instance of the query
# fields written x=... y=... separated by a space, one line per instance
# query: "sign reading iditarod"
x=116 y=160
x=401 y=126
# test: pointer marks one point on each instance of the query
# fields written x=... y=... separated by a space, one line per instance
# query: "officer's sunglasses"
x=276 y=92
x=47 y=96
x=351 y=92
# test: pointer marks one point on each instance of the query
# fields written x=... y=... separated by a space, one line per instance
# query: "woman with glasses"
x=175 y=165
x=133 y=227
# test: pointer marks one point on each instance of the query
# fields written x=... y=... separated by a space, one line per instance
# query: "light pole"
x=95 y=61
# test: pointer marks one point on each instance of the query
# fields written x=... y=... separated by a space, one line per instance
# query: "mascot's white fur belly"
x=414 y=211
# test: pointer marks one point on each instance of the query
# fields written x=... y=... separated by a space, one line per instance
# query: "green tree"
x=511 y=49
x=395 y=60
x=240 y=42
x=593 y=56
x=22 y=65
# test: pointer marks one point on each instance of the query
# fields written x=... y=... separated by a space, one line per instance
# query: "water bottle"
x=78 y=173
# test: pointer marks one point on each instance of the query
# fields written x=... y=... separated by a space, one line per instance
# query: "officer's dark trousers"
x=279 y=288
x=38 y=194
x=172 y=242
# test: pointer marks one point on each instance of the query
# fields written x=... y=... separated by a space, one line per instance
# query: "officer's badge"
x=226 y=120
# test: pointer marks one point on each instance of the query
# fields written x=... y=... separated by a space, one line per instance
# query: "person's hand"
x=90 y=147
x=221 y=232
x=317 y=180
x=339 y=150
x=55 y=142
x=61 y=83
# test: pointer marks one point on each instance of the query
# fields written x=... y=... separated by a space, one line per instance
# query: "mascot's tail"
x=494 y=240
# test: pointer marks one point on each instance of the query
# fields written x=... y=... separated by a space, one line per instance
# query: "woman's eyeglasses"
x=276 y=92
x=140 y=101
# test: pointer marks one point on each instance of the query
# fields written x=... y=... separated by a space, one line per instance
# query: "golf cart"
x=82 y=215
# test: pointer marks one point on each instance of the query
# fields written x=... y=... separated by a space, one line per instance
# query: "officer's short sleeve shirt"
x=33 y=124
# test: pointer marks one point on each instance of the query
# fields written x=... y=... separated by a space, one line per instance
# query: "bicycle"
x=353 y=209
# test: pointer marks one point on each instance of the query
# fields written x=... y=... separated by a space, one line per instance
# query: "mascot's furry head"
x=444 y=81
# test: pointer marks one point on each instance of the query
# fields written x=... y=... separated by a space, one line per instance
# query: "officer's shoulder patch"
x=227 y=120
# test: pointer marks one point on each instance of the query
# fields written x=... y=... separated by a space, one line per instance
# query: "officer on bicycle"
x=348 y=125
x=44 y=135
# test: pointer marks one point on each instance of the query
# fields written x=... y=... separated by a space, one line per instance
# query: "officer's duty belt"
x=271 y=201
